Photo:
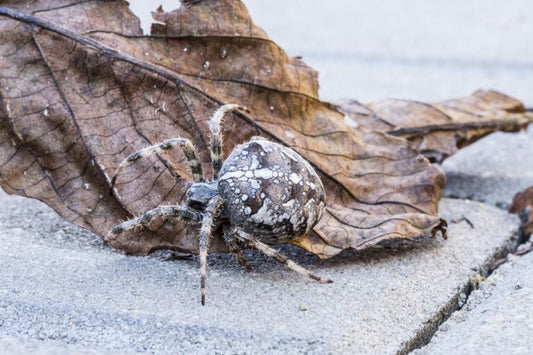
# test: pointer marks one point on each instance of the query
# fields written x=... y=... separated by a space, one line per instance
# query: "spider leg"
x=186 y=145
x=213 y=209
x=179 y=212
x=234 y=248
x=279 y=257
x=216 y=136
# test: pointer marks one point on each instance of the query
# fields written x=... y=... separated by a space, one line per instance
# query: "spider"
x=264 y=193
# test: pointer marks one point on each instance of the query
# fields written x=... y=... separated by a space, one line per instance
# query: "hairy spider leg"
x=186 y=145
x=213 y=209
x=234 y=248
x=265 y=249
x=182 y=213
x=216 y=136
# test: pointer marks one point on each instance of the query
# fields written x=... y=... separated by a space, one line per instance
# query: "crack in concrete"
x=424 y=335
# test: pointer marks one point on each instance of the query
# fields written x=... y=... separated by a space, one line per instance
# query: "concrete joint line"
x=426 y=333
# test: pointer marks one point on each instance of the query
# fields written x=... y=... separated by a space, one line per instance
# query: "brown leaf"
x=521 y=201
x=82 y=88
x=440 y=130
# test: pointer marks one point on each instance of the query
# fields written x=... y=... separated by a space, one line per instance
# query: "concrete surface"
x=23 y=346
x=414 y=49
x=493 y=170
x=60 y=283
x=497 y=317
x=62 y=291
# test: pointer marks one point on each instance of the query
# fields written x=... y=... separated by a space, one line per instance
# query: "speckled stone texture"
x=60 y=282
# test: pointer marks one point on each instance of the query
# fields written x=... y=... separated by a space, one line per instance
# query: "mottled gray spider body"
x=263 y=193
x=270 y=191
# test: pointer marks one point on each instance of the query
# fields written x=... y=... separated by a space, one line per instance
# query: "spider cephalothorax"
x=263 y=193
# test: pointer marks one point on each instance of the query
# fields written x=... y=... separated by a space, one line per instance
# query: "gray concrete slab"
x=23 y=346
x=497 y=317
x=59 y=282
x=493 y=169
x=411 y=49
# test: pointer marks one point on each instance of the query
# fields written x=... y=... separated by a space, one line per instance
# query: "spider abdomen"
x=270 y=191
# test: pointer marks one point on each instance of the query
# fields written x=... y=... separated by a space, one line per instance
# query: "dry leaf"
x=440 y=130
x=521 y=201
x=81 y=88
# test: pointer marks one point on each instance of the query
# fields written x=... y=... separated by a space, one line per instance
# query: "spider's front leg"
x=186 y=145
x=216 y=135
x=182 y=213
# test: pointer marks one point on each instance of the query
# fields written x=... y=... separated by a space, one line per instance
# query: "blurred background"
x=411 y=49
